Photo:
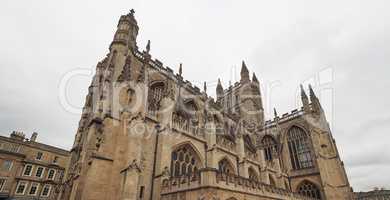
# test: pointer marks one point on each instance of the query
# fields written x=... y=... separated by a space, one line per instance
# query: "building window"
x=299 y=147
x=269 y=146
x=39 y=156
x=225 y=167
x=2 y=183
x=46 y=190
x=184 y=161
x=21 y=188
x=141 y=192
x=39 y=172
x=55 y=160
x=7 y=165
x=308 y=189
x=27 y=170
x=51 y=174
x=154 y=97
x=33 y=189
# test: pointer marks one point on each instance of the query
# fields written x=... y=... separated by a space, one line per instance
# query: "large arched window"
x=184 y=161
x=269 y=146
x=225 y=167
x=308 y=189
x=299 y=147
x=154 y=97
x=252 y=174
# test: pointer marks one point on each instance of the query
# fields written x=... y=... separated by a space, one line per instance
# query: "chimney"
x=34 y=137
x=17 y=135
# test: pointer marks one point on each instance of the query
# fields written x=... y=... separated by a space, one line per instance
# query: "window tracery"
x=308 y=189
x=299 y=147
x=154 y=97
x=269 y=146
x=184 y=161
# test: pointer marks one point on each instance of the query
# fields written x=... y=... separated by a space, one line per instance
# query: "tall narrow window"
x=27 y=170
x=51 y=174
x=33 y=189
x=21 y=188
x=2 y=183
x=39 y=172
x=308 y=189
x=141 y=192
x=154 y=97
x=299 y=147
x=184 y=161
x=46 y=190
x=269 y=146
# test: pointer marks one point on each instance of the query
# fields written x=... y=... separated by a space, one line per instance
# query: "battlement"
x=285 y=117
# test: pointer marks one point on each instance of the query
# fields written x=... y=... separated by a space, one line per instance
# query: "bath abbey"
x=147 y=133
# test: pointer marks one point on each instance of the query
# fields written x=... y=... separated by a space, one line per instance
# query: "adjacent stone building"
x=29 y=169
x=376 y=194
x=147 y=133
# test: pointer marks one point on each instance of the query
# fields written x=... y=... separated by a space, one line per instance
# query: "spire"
x=204 y=87
x=148 y=47
x=275 y=113
x=305 y=100
x=181 y=69
x=314 y=100
x=254 y=78
x=244 y=72
x=312 y=94
x=219 y=89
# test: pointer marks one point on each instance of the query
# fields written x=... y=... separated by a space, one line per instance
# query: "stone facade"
x=377 y=194
x=147 y=133
x=29 y=169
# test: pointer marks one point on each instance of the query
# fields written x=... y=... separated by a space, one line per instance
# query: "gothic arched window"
x=269 y=146
x=252 y=174
x=299 y=147
x=225 y=167
x=308 y=189
x=184 y=161
x=155 y=95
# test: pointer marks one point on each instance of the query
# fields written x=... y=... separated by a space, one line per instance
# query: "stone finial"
x=148 y=47
x=275 y=113
x=254 y=78
x=305 y=101
x=131 y=12
x=312 y=94
x=181 y=69
x=204 y=87
x=244 y=72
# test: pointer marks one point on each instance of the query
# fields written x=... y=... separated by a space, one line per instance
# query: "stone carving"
x=126 y=72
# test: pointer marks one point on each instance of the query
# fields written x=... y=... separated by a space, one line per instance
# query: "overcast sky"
x=341 y=47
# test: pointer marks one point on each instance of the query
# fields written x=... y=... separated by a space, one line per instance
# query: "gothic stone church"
x=147 y=133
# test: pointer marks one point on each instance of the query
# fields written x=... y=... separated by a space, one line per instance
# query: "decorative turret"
x=305 y=100
x=219 y=90
x=244 y=73
x=127 y=31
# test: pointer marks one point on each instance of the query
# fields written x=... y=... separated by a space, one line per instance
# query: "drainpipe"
x=157 y=127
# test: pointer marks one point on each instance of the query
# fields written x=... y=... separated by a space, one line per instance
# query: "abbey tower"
x=147 y=133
